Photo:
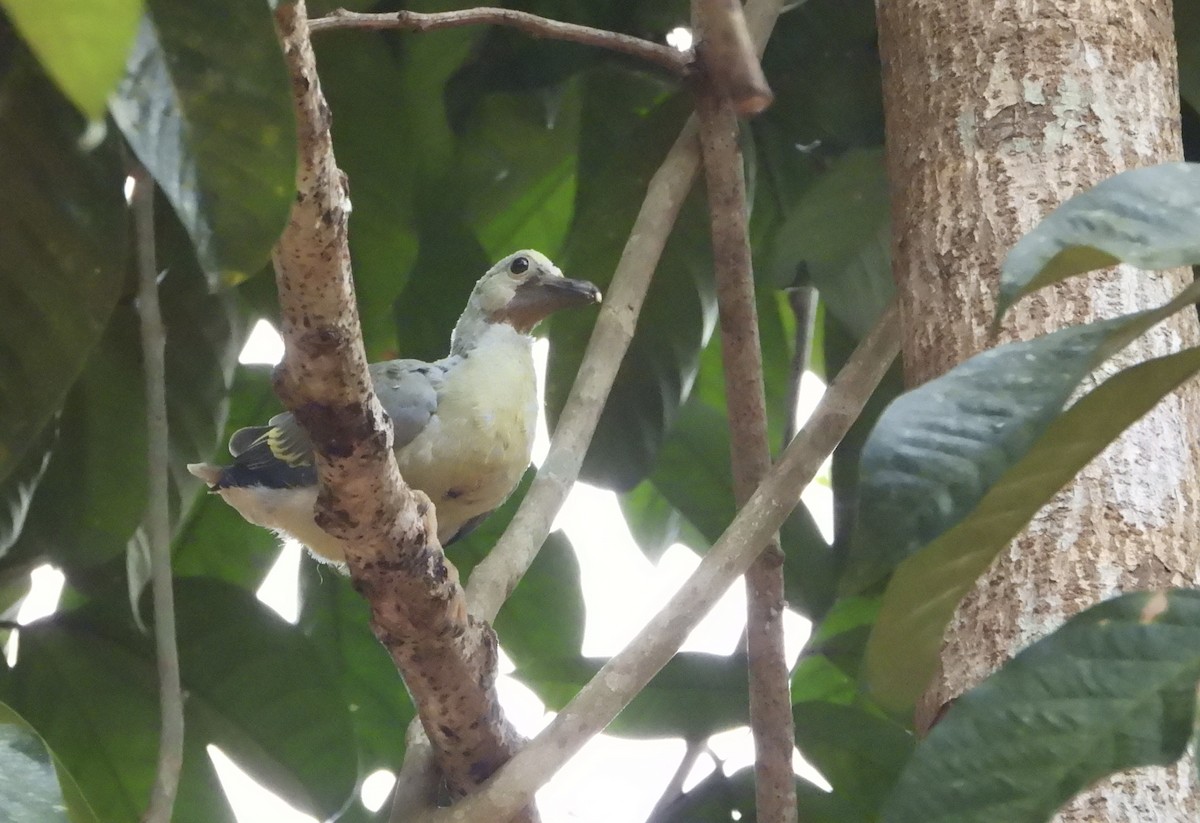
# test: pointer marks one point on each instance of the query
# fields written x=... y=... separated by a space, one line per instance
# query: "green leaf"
x=1113 y=689
x=338 y=622
x=81 y=45
x=255 y=686
x=62 y=250
x=1148 y=217
x=16 y=493
x=517 y=161
x=859 y=752
x=544 y=617
x=79 y=517
x=694 y=475
x=34 y=785
x=628 y=123
x=206 y=107
x=541 y=627
x=840 y=233
x=957 y=467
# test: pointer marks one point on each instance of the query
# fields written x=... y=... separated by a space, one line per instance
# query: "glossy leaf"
x=957 y=467
x=62 y=249
x=206 y=107
x=34 y=785
x=80 y=518
x=256 y=687
x=1148 y=217
x=81 y=45
x=1113 y=689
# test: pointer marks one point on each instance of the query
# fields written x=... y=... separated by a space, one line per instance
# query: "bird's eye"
x=519 y=265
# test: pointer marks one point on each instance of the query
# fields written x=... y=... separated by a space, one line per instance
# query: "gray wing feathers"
x=408 y=391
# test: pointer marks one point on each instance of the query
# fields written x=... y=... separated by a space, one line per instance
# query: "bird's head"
x=522 y=290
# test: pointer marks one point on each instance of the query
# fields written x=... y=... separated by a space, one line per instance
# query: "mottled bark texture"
x=997 y=111
x=418 y=609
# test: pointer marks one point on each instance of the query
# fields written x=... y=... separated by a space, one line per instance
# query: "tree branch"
x=626 y=674
x=498 y=574
x=418 y=610
x=750 y=452
x=728 y=55
x=158 y=516
x=673 y=60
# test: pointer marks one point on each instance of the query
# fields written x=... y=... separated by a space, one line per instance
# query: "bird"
x=463 y=426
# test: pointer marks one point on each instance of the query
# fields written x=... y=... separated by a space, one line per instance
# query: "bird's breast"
x=474 y=450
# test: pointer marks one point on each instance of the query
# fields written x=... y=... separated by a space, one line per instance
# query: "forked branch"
x=626 y=674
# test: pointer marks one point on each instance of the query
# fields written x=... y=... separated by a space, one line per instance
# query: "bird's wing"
x=408 y=391
x=279 y=454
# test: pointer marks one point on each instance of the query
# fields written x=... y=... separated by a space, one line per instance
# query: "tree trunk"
x=997 y=111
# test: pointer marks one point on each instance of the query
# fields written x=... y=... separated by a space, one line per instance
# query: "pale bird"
x=463 y=425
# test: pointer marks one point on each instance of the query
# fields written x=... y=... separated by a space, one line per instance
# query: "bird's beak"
x=542 y=295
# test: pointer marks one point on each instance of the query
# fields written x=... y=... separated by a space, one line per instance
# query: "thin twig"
x=728 y=55
x=158 y=523
x=803 y=302
x=750 y=452
x=418 y=611
x=626 y=674
x=673 y=60
x=674 y=789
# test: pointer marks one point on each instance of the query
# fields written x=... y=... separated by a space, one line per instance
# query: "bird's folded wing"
x=280 y=453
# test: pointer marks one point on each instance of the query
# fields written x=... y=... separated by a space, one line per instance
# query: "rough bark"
x=418 y=609
x=997 y=111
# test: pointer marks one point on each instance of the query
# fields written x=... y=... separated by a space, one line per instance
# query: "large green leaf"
x=694 y=475
x=34 y=785
x=1113 y=689
x=80 y=518
x=338 y=622
x=859 y=752
x=62 y=249
x=206 y=106
x=957 y=467
x=1147 y=217
x=82 y=45
x=517 y=161
x=840 y=233
x=627 y=125
x=255 y=686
